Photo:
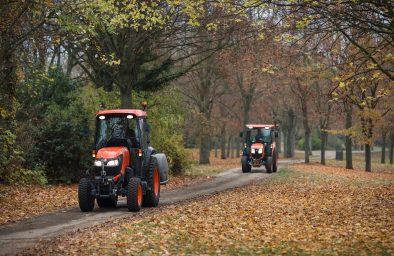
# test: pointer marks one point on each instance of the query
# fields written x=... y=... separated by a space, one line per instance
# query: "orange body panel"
x=134 y=112
x=262 y=126
x=114 y=152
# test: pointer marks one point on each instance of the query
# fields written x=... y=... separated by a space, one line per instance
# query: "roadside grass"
x=304 y=210
x=215 y=166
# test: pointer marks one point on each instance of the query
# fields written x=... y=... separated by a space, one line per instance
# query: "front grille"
x=111 y=171
x=256 y=156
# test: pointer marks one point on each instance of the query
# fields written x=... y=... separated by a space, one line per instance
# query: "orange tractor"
x=259 y=148
x=124 y=163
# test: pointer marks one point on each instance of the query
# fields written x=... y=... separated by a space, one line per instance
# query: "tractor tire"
x=134 y=195
x=107 y=202
x=85 y=199
x=268 y=165
x=152 y=195
x=245 y=166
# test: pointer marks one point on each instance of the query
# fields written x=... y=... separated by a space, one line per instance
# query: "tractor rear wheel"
x=85 y=199
x=268 y=165
x=152 y=196
x=275 y=162
x=107 y=202
x=134 y=195
x=245 y=166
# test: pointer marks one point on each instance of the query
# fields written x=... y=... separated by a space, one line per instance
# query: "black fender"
x=162 y=164
x=149 y=151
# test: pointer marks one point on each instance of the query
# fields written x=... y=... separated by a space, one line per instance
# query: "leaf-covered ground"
x=22 y=202
x=306 y=210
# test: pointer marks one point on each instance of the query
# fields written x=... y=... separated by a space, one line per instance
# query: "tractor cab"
x=121 y=138
x=259 y=147
x=124 y=163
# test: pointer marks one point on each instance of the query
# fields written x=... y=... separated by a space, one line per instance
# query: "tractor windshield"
x=116 y=131
x=261 y=135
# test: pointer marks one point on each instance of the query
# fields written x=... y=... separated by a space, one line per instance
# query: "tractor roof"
x=252 y=126
x=134 y=112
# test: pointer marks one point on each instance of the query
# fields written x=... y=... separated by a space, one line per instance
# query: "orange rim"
x=139 y=194
x=156 y=181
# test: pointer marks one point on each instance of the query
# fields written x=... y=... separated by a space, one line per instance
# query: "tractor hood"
x=257 y=146
x=111 y=152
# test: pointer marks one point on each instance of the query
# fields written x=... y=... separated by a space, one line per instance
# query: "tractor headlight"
x=113 y=162
x=260 y=151
x=97 y=163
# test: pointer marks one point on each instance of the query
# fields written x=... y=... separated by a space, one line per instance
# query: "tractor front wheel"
x=268 y=165
x=245 y=166
x=85 y=199
x=107 y=202
x=152 y=196
x=134 y=195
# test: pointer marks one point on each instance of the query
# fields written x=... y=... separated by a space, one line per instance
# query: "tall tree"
x=203 y=87
x=139 y=45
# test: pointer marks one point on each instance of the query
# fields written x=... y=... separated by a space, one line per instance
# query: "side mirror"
x=276 y=134
x=241 y=134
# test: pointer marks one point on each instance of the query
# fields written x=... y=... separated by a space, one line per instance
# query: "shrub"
x=62 y=142
x=177 y=156
x=25 y=176
x=167 y=121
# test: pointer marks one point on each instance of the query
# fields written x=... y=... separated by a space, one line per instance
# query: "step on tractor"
x=259 y=148
x=124 y=163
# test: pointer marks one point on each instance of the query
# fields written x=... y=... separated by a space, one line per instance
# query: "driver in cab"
x=259 y=136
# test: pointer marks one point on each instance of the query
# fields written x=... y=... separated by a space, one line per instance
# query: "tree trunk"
x=289 y=153
x=348 y=138
x=323 y=142
x=125 y=98
x=307 y=129
x=246 y=109
x=228 y=146
x=223 y=142
x=240 y=145
x=367 y=129
x=70 y=63
x=391 y=151
x=205 y=145
x=383 y=157
x=307 y=134
x=233 y=146
x=279 y=141
x=310 y=143
x=216 y=147
x=289 y=131
x=368 y=167
x=285 y=145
